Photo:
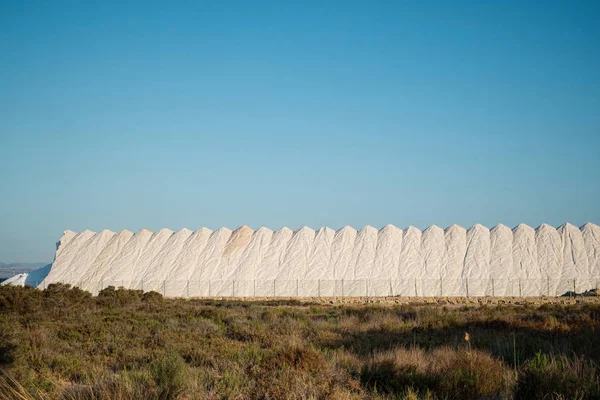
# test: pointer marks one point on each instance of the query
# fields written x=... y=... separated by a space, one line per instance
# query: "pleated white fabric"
x=453 y=262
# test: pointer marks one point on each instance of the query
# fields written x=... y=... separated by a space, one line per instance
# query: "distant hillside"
x=9 y=269
x=24 y=265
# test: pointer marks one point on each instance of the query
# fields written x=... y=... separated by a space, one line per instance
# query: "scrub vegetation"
x=63 y=343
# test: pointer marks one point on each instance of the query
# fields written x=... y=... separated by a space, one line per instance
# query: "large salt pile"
x=453 y=262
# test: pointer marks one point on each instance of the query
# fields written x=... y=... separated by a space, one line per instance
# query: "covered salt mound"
x=33 y=278
x=435 y=262
x=17 y=280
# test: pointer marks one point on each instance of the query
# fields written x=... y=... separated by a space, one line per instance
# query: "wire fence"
x=413 y=287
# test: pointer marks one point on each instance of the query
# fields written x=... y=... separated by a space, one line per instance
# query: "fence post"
x=296 y=287
x=493 y=289
x=319 y=287
x=574 y=288
x=416 y=295
x=467 y=284
x=342 y=288
x=391 y=289
x=233 y=288
x=187 y=288
x=520 y=289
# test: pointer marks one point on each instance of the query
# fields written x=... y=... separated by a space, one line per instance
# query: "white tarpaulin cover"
x=453 y=262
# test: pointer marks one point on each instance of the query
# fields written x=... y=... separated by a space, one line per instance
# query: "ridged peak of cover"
x=390 y=228
x=411 y=230
x=262 y=231
x=325 y=229
x=222 y=231
x=567 y=226
x=433 y=228
x=283 y=230
x=142 y=234
x=523 y=228
x=87 y=232
x=125 y=232
x=500 y=228
x=183 y=232
x=454 y=228
x=588 y=226
x=238 y=239
x=478 y=228
x=164 y=231
x=66 y=237
x=345 y=230
x=544 y=227
x=242 y=232
x=305 y=229
x=106 y=232
x=368 y=228
x=202 y=231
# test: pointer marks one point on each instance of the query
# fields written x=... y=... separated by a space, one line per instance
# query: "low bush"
x=170 y=374
x=111 y=297
x=445 y=373
x=63 y=343
x=553 y=377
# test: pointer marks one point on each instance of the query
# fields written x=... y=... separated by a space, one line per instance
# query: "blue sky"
x=222 y=113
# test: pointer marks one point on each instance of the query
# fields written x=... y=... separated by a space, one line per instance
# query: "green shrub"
x=22 y=300
x=547 y=376
x=170 y=375
x=111 y=297
x=474 y=375
x=447 y=373
x=152 y=297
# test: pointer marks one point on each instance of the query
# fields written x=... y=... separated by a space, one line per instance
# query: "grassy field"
x=62 y=343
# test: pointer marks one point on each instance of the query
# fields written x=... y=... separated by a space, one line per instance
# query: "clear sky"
x=318 y=113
